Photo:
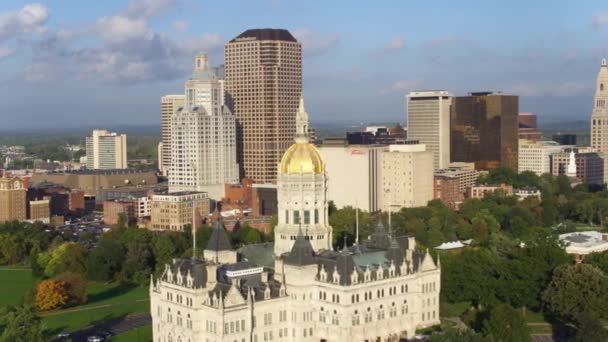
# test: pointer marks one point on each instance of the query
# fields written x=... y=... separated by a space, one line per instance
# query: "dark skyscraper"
x=565 y=139
x=263 y=89
x=484 y=130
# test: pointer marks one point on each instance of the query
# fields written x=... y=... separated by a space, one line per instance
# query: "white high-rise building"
x=168 y=105
x=599 y=116
x=535 y=156
x=406 y=174
x=106 y=150
x=428 y=121
x=203 y=137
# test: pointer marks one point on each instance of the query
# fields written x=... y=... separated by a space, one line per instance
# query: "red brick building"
x=112 y=210
x=447 y=189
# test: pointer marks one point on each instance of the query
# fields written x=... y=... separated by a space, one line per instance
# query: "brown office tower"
x=263 y=88
x=484 y=130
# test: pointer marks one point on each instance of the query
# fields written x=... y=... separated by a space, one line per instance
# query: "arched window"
x=601 y=86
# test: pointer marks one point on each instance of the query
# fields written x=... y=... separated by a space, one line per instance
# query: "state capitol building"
x=298 y=288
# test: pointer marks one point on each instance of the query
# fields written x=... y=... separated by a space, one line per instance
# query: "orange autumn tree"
x=51 y=294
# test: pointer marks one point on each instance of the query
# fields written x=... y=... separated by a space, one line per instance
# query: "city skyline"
x=127 y=55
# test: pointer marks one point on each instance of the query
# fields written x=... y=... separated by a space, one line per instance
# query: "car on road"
x=95 y=338
x=63 y=335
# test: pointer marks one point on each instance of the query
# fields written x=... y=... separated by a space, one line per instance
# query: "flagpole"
x=193 y=231
x=357 y=224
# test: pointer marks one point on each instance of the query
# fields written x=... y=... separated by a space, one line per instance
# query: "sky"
x=73 y=63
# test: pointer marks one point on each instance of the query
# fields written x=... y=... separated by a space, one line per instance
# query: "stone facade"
x=13 y=204
x=203 y=136
x=174 y=210
x=381 y=289
x=428 y=121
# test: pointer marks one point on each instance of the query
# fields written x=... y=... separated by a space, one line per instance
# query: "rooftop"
x=585 y=242
x=99 y=172
x=265 y=34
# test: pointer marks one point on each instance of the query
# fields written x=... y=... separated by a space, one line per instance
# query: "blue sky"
x=106 y=63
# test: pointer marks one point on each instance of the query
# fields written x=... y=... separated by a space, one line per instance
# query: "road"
x=114 y=326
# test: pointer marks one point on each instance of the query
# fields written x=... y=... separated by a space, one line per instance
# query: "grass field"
x=143 y=334
x=14 y=282
x=105 y=301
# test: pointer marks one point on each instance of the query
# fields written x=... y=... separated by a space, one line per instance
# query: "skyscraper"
x=168 y=105
x=484 y=130
x=203 y=136
x=106 y=150
x=13 y=204
x=599 y=116
x=263 y=87
x=428 y=121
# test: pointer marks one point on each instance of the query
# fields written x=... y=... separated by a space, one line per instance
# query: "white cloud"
x=118 y=28
x=396 y=43
x=180 y=25
x=30 y=18
x=148 y=8
x=313 y=43
x=600 y=19
x=400 y=86
x=208 y=42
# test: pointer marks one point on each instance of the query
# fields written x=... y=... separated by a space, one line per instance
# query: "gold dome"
x=302 y=158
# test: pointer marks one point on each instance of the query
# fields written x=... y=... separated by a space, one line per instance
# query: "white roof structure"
x=454 y=245
x=585 y=242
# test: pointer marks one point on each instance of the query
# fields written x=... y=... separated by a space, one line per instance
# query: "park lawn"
x=14 y=282
x=143 y=334
x=105 y=301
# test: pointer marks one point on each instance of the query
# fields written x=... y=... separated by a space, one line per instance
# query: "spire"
x=202 y=62
x=301 y=124
x=571 y=171
x=603 y=62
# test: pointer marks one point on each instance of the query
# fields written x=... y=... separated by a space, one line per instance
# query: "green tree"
x=577 y=290
x=585 y=211
x=105 y=260
x=69 y=257
x=518 y=221
x=164 y=250
x=470 y=276
x=139 y=263
x=460 y=335
x=76 y=286
x=12 y=249
x=525 y=272
x=590 y=329
x=506 y=324
x=599 y=260
x=434 y=235
x=21 y=325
